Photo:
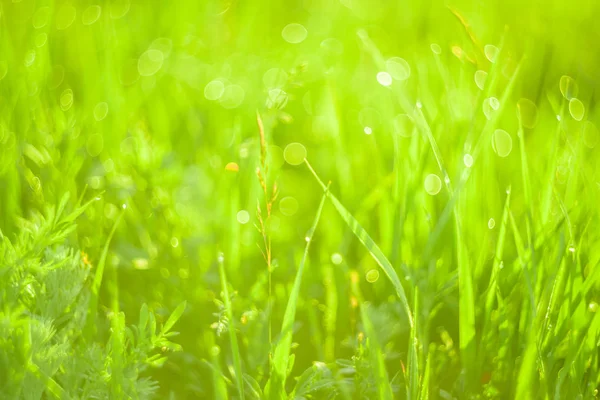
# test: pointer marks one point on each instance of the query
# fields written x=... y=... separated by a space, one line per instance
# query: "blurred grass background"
x=148 y=104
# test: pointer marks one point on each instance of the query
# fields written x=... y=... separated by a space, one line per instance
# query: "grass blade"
x=90 y=328
x=235 y=349
x=384 y=389
x=373 y=249
x=275 y=388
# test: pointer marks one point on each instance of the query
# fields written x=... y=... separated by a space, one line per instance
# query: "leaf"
x=175 y=315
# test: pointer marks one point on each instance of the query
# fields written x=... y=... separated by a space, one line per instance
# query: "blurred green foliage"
x=461 y=135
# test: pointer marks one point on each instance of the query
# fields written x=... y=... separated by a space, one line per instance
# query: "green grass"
x=440 y=244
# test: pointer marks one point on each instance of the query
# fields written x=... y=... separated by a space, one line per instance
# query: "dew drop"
x=243 y=217
x=433 y=184
x=336 y=258
x=41 y=39
x=372 y=276
x=220 y=257
x=275 y=78
x=501 y=142
x=294 y=33
x=568 y=87
x=491 y=52
x=65 y=16
x=91 y=14
x=41 y=17
x=174 y=241
x=398 y=68
x=480 y=78
x=384 y=78
x=100 y=111
x=214 y=90
x=435 y=48
x=576 y=109
x=66 y=99
x=468 y=160
x=368 y=130
x=288 y=206
x=294 y=153
x=150 y=62
x=491 y=223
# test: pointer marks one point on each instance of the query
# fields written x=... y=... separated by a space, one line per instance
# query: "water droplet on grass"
x=41 y=17
x=501 y=142
x=276 y=99
x=480 y=78
x=65 y=16
x=576 y=109
x=433 y=184
x=491 y=223
x=384 y=78
x=590 y=134
x=91 y=14
x=294 y=33
x=436 y=48
x=468 y=160
x=66 y=99
x=398 y=68
x=294 y=153
x=174 y=241
x=214 y=90
x=220 y=257
x=372 y=276
x=275 y=78
x=29 y=58
x=568 y=87
x=40 y=39
x=336 y=258
x=150 y=62
x=288 y=206
x=243 y=217
x=527 y=113
x=368 y=130
x=572 y=249
x=100 y=111
x=491 y=52
x=494 y=103
x=593 y=306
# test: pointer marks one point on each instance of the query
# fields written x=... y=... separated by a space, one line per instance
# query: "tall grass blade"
x=370 y=245
x=235 y=349
x=275 y=388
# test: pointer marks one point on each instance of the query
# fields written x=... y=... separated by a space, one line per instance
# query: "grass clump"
x=450 y=203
